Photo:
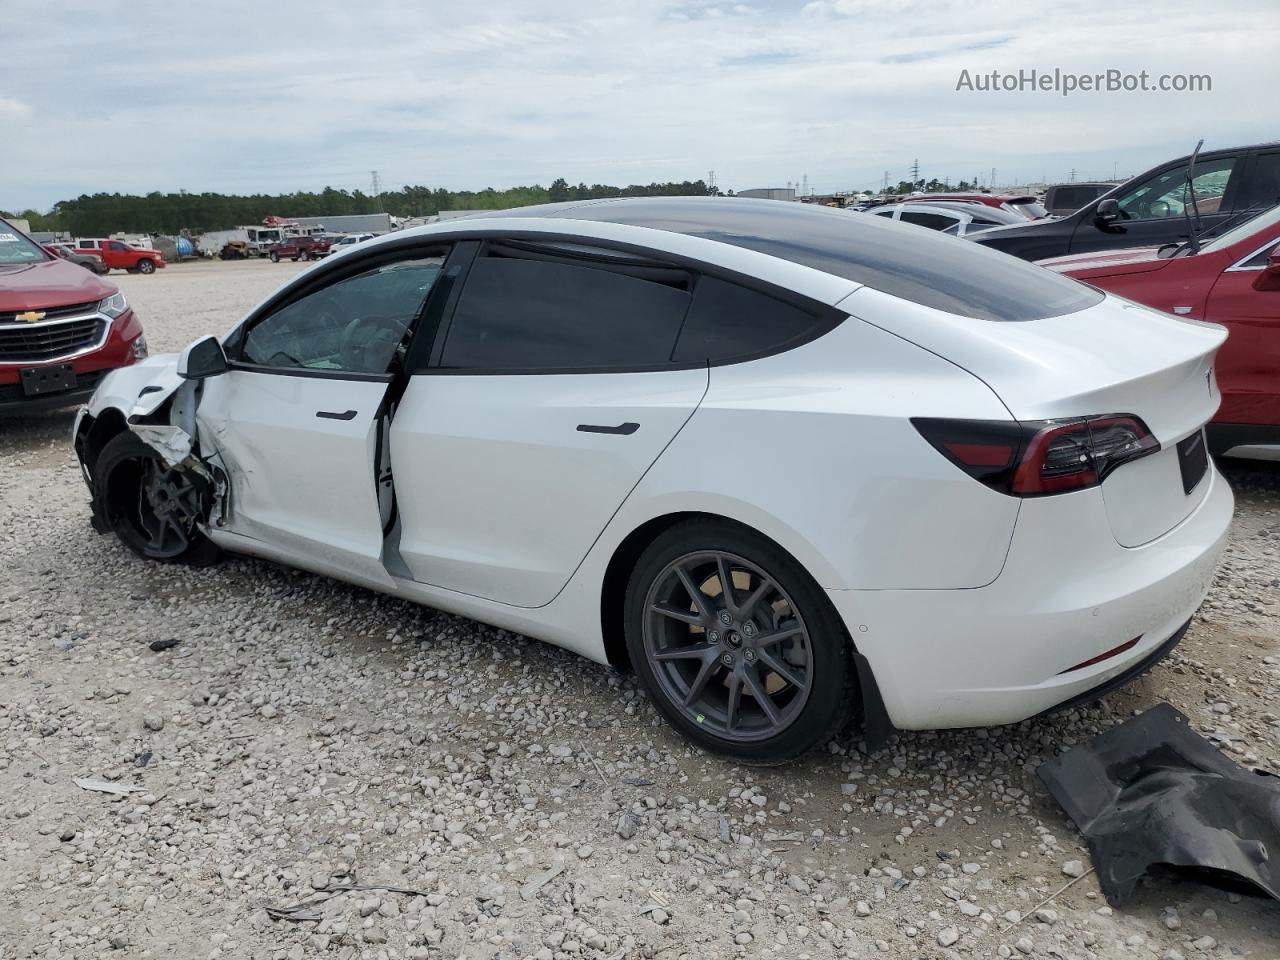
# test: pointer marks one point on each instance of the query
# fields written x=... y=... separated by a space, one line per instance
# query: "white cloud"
x=12 y=108
x=290 y=95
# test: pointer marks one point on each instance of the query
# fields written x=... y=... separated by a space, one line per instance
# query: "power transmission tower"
x=377 y=184
x=915 y=173
x=1072 y=177
x=886 y=182
x=805 y=190
x=711 y=183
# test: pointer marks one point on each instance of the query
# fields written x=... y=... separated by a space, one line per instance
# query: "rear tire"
x=152 y=508
x=764 y=675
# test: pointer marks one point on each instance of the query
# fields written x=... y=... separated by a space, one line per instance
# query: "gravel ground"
x=304 y=735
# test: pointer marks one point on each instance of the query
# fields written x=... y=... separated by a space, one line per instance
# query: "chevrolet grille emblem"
x=31 y=316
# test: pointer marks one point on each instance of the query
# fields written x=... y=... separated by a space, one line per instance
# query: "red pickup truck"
x=300 y=248
x=118 y=255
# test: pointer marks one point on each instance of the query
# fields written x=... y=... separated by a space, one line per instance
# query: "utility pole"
x=805 y=191
x=886 y=182
x=992 y=183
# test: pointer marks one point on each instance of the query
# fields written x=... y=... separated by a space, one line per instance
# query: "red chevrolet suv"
x=61 y=328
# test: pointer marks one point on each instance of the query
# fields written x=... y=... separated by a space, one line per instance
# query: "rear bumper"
x=1068 y=593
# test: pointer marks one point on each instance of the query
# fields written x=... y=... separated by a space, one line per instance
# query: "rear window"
x=1031 y=208
x=928 y=268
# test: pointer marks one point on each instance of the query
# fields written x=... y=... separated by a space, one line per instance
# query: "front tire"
x=763 y=671
x=146 y=266
x=152 y=508
x=275 y=257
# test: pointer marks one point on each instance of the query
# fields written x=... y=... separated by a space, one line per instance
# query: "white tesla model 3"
x=789 y=464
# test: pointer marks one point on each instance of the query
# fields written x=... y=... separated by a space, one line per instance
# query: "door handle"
x=330 y=415
x=626 y=429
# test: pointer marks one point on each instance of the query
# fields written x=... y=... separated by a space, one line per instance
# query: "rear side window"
x=525 y=314
x=729 y=322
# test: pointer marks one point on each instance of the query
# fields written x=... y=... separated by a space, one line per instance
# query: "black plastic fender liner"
x=1153 y=792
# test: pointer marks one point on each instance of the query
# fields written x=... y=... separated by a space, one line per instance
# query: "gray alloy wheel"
x=146 y=266
x=728 y=646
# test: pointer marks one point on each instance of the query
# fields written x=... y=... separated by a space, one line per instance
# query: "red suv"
x=61 y=328
x=1232 y=279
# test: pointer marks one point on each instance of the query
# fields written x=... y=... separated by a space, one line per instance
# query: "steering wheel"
x=361 y=333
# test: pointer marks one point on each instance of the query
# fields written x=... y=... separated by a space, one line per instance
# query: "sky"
x=277 y=96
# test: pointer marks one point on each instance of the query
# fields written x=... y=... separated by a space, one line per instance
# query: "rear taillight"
x=1039 y=457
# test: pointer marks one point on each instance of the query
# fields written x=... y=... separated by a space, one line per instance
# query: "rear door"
x=551 y=391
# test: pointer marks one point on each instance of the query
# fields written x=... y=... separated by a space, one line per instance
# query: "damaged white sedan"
x=788 y=464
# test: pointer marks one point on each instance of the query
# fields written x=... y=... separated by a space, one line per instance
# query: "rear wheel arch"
x=876 y=723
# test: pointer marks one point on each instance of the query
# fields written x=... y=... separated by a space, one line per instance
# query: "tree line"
x=101 y=214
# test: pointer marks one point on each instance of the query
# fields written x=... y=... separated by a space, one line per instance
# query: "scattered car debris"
x=306 y=909
x=105 y=786
x=530 y=889
x=1152 y=791
x=168 y=642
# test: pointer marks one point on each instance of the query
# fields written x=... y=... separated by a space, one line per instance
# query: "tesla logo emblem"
x=31 y=316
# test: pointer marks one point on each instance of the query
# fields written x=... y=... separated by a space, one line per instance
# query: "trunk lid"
x=1113 y=357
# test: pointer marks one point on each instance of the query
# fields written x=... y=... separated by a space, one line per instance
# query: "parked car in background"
x=350 y=240
x=957 y=219
x=1027 y=207
x=1233 y=280
x=120 y=255
x=787 y=463
x=1155 y=207
x=299 y=248
x=91 y=262
x=1064 y=198
x=61 y=328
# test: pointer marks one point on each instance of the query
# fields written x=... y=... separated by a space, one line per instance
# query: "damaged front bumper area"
x=159 y=407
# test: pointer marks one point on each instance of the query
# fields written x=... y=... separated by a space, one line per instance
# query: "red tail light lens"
x=1040 y=457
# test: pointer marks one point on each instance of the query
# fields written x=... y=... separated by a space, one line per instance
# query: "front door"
x=298 y=422
x=1158 y=210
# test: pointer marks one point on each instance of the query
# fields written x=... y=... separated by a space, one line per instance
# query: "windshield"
x=16 y=248
x=1254 y=225
x=1030 y=208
